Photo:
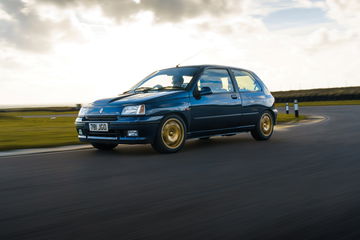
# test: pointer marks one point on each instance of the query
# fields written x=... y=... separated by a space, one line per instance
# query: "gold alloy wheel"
x=172 y=133
x=266 y=124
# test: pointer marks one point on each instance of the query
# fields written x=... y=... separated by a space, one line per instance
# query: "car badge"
x=101 y=110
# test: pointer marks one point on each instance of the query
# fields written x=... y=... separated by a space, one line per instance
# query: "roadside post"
x=296 y=108
x=287 y=108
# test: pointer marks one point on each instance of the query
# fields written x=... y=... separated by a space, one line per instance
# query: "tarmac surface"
x=302 y=184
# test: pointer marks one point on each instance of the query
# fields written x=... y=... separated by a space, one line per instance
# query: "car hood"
x=114 y=106
x=134 y=98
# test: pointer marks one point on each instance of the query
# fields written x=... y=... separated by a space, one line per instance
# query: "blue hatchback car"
x=175 y=104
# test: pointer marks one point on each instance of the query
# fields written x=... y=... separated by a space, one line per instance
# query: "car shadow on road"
x=128 y=150
x=192 y=145
x=218 y=142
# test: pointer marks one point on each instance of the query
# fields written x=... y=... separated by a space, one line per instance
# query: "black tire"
x=162 y=142
x=104 y=146
x=262 y=130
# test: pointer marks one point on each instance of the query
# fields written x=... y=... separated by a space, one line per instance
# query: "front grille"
x=101 y=118
x=110 y=133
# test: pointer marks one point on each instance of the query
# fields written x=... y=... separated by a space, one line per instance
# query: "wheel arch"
x=181 y=115
x=274 y=113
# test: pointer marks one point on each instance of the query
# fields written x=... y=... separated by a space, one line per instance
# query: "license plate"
x=98 y=127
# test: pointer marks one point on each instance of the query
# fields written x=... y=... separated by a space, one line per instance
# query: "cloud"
x=345 y=12
x=346 y=29
x=24 y=29
x=28 y=25
x=163 y=10
x=325 y=38
x=311 y=4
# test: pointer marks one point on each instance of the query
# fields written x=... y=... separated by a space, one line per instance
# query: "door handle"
x=233 y=96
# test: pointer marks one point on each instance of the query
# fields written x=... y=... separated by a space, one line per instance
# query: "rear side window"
x=218 y=80
x=246 y=82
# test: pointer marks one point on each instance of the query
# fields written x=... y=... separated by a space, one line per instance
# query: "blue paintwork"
x=214 y=114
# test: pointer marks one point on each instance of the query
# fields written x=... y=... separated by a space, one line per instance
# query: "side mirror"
x=205 y=91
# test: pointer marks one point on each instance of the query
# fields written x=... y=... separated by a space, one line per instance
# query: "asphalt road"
x=302 y=184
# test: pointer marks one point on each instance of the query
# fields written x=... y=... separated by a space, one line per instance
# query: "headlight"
x=82 y=111
x=134 y=110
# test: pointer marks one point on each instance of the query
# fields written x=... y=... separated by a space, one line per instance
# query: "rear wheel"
x=170 y=137
x=104 y=146
x=264 y=127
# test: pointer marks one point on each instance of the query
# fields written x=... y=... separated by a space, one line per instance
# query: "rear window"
x=246 y=82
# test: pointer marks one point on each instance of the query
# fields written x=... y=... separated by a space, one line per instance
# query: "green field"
x=18 y=133
x=36 y=113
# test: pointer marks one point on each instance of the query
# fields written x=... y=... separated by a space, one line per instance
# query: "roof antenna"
x=192 y=56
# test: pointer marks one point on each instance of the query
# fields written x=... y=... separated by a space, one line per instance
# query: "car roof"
x=211 y=66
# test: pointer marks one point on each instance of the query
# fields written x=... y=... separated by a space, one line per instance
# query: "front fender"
x=180 y=106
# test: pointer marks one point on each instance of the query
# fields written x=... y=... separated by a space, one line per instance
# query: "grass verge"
x=283 y=118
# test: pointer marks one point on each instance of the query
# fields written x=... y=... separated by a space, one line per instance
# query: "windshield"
x=167 y=79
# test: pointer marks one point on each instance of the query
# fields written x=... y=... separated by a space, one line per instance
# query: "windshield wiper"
x=170 y=88
x=147 y=89
x=143 y=89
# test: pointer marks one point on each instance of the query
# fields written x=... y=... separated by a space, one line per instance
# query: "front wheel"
x=170 y=137
x=104 y=146
x=264 y=127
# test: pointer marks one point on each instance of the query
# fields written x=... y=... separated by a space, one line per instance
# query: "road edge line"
x=28 y=151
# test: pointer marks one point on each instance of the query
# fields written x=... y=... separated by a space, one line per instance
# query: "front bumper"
x=146 y=127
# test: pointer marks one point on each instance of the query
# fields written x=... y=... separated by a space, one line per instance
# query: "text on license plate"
x=98 y=127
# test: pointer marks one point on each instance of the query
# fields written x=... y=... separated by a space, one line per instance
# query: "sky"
x=56 y=52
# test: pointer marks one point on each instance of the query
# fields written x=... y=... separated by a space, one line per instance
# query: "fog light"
x=132 y=133
x=80 y=132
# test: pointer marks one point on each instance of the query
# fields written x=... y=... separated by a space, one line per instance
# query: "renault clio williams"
x=175 y=104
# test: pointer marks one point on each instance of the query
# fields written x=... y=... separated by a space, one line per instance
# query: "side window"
x=218 y=80
x=246 y=82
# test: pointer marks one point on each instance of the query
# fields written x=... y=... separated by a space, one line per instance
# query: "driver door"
x=219 y=110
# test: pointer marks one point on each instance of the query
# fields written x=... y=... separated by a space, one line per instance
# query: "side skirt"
x=217 y=132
